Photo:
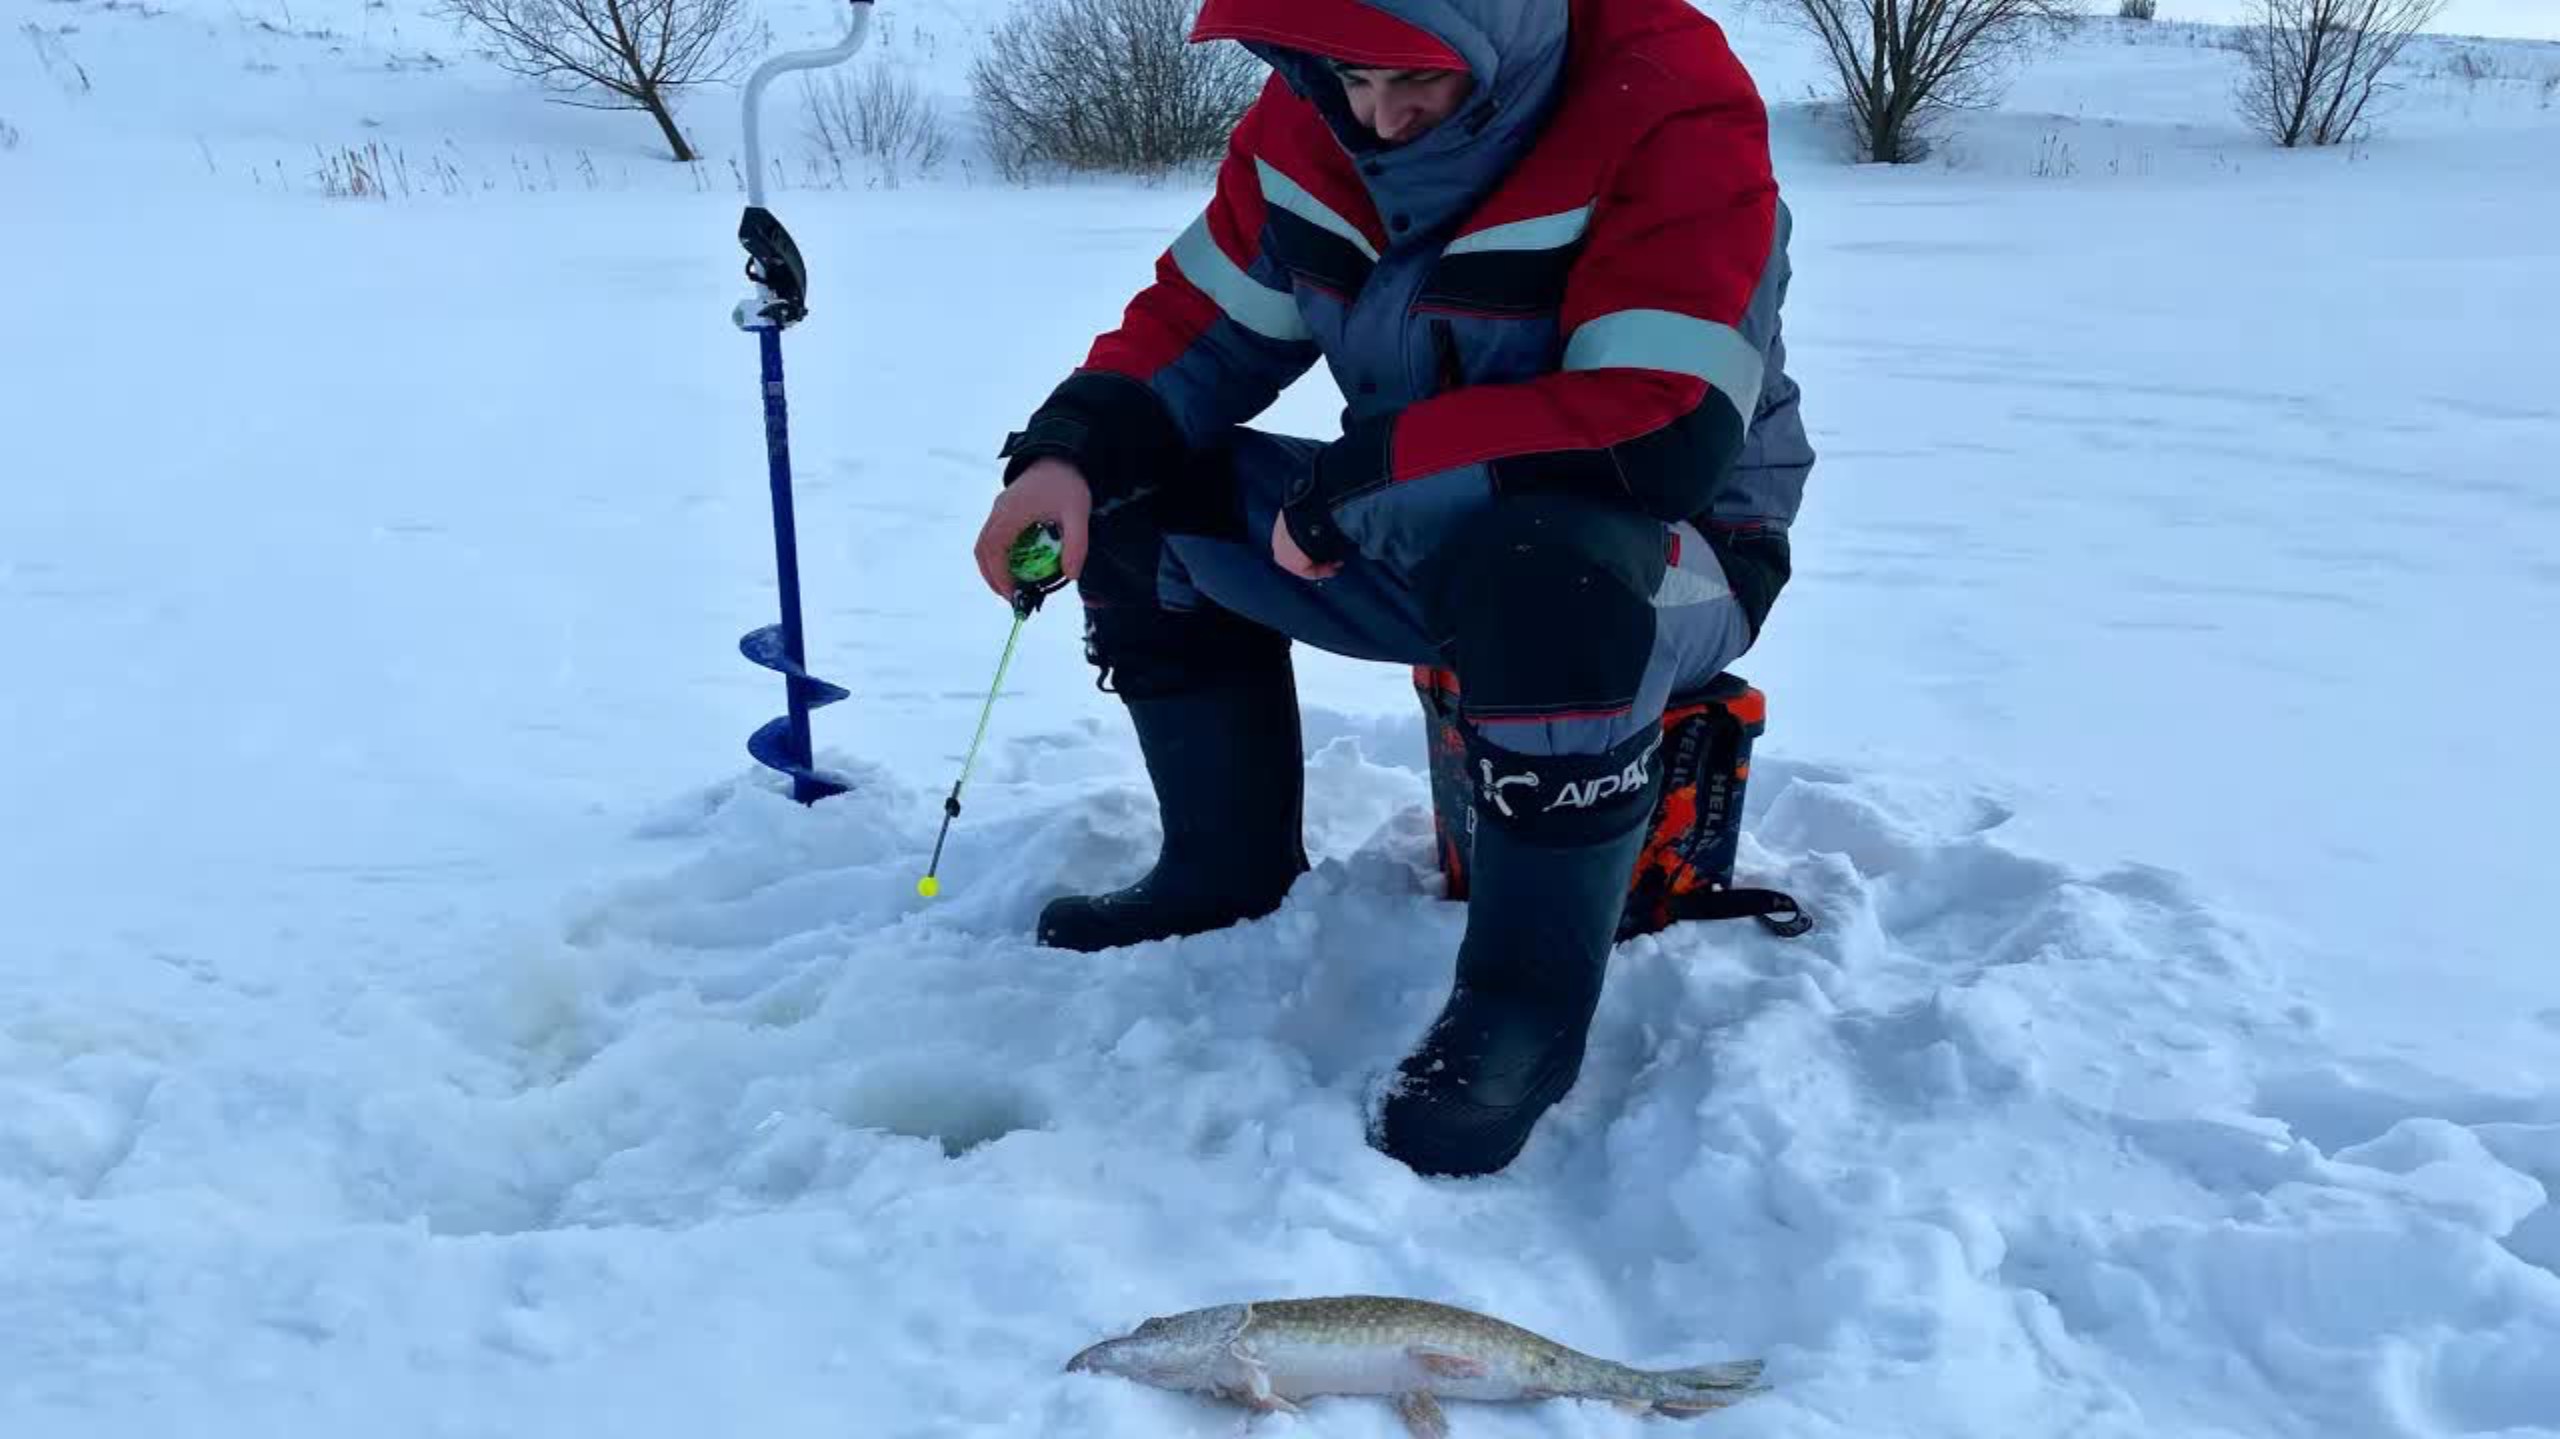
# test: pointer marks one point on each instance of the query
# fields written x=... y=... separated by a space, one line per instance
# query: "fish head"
x=1178 y=1351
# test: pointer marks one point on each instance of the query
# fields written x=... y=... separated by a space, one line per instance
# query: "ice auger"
x=781 y=300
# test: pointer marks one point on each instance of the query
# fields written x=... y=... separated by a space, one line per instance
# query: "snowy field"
x=417 y=1017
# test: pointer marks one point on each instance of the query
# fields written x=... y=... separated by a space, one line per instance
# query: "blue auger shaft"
x=784 y=744
x=786 y=555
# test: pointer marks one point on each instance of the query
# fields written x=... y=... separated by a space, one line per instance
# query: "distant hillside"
x=277 y=93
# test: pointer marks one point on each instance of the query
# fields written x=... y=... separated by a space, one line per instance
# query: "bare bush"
x=637 y=54
x=2312 y=67
x=879 y=115
x=1901 y=64
x=1108 y=85
x=8 y=136
x=2472 y=66
x=2138 y=10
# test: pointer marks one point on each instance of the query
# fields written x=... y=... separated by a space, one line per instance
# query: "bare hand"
x=1050 y=489
x=1284 y=548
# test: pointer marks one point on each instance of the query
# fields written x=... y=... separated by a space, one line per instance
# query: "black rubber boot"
x=1230 y=782
x=1508 y=1043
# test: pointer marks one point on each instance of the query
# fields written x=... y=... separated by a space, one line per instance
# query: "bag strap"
x=1778 y=912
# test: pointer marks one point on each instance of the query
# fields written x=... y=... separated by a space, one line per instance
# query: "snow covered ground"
x=417 y=1016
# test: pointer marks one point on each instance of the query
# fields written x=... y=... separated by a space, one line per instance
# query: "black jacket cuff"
x=1110 y=426
x=1355 y=465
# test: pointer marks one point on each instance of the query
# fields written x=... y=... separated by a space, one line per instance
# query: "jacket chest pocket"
x=1461 y=349
x=1495 y=283
x=1488 y=309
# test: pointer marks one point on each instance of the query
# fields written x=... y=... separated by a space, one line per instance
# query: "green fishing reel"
x=1037 y=563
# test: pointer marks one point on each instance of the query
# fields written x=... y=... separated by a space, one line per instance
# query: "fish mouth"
x=1083 y=1363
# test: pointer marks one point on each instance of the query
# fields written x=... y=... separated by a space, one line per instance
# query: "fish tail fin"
x=1687 y=1393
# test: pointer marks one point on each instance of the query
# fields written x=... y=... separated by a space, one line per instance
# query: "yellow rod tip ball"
x=928 y=886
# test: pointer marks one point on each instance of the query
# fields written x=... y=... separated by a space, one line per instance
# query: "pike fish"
x=1270 y=1354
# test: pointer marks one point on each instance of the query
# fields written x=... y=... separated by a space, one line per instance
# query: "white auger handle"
x=855 y=31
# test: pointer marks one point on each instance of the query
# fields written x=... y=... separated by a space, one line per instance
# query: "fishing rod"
x=1035 y=564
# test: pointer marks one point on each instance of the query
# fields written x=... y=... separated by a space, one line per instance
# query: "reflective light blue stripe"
x=1680 y=344
x=1247 y=301
x=1543 y=232
x=1697 y=579
x=1289 y=195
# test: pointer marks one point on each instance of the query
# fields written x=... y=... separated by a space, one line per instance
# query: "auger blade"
x=772 y=746
x=765 y=647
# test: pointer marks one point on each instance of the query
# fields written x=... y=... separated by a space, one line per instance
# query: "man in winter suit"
x=1540 y=246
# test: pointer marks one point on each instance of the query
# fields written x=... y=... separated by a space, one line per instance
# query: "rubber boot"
x=1508 y=1043
x=1230 y=781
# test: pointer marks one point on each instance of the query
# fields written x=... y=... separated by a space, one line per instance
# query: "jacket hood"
x=1349 y=30
x=1514 y=48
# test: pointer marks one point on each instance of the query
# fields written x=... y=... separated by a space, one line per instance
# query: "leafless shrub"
x=2472 y=66
x=8 y=136
x=1900 y=64
x=2312 y=67
x=880 y=115
x=2138 y=10
x=636 y=54
x=1108 y=85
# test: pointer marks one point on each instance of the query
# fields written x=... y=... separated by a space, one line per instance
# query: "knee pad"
x=1547 y=606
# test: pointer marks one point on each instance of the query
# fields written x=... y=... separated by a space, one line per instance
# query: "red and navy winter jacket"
x=1571 y=284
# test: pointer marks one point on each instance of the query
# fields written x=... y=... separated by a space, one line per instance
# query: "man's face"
x=1399 y=106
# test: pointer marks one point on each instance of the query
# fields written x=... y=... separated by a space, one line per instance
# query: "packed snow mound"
x=756 y=1141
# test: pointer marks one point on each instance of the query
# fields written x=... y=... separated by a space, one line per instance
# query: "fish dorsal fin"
x=1446 y=1363
x=1422 y=1415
